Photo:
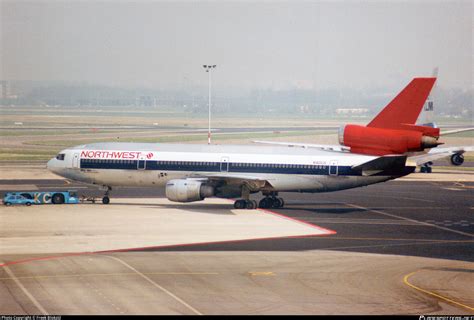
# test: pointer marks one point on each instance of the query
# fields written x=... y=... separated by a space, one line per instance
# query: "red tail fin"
x=406 y=106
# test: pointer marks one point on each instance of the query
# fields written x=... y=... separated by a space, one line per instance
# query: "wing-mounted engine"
x=457 y=159
x=187 y=190
x=382 y=141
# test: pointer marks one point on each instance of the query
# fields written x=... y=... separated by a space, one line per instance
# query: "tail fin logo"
x=405 y=108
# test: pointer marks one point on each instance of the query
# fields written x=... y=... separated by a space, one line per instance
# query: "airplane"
x=385 y=149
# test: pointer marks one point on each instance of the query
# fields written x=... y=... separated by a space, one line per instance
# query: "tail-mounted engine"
x=381 y=141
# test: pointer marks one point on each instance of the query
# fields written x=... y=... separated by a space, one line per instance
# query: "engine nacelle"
x=457 y=159
x=381 y=141
x=183 y=190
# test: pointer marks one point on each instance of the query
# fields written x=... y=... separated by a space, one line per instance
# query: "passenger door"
x=141 y=164
x=75 y=161
x=224 y=164
x=333 y=169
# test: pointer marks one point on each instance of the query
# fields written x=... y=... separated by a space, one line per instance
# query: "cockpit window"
x=60 y=156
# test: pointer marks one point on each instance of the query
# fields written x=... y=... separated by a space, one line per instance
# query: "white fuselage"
x=152 y=165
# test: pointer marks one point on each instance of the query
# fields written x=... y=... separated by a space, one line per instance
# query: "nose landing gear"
x=106 y=199
x=426 y=168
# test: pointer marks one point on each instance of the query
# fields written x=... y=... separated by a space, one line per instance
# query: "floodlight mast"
x=208 y=69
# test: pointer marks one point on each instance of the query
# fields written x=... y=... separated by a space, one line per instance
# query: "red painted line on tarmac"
x=44 y=258
x=325 y=232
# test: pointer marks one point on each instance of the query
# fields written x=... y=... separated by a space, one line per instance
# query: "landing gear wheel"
x=282 y=202
x=426 y=169
x=271 y=202
x=263 y=203
x=106 y=199
x=239 y=204
x=251 y=204
x=276 y=203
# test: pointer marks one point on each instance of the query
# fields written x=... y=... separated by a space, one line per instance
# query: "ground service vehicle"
x=40 y=197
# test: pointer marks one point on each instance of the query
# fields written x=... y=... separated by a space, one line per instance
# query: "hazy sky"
x=280 y=44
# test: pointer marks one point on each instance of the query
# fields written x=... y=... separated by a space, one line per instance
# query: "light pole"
x=208 y=69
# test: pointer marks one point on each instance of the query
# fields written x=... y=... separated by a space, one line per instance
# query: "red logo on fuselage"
x=92 y=154
x=149 y=155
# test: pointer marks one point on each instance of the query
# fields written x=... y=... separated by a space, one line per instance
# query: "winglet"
x=406 y=106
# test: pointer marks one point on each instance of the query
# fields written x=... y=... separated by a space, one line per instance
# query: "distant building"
x=304 y=109
x=4 y=89
x=147 y=101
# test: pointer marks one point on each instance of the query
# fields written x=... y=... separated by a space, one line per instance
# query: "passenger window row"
x=198 y=163
x=277 y=165
x=188 y=163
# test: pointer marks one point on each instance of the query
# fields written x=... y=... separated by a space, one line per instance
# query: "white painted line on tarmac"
x=412 y=220
x=18 y=187
x=25 y=291
x=157 y=285
x=62 y=187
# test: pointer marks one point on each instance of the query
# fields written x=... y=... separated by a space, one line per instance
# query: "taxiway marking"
x=462 y=185
x=111 y=275
x=412 y=220
x=393 y=245
x=393 y=239
x=405 y=280
x=379 y=195
x=25 y=291
x=261 y=273
x=184 y=303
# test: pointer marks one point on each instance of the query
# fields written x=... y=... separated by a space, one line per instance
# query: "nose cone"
x=51 y=165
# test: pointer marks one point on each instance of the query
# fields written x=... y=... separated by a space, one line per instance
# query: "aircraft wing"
x=326 y=147
x=380 y=164
x=445 y=133
x=439 y=153
x=253 y=182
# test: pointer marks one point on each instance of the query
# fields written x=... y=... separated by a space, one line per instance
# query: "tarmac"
x=402 y=247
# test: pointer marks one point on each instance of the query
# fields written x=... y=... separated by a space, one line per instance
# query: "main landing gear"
x=245 y=204
x=106 y=199
x=426 y=168
x=270 y=201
